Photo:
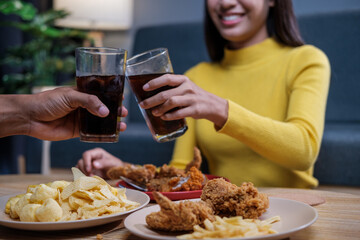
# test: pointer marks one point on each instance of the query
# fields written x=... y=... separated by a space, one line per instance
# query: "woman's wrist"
x=220 y=109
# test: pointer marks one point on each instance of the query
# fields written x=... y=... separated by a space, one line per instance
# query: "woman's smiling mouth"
x=231 y=19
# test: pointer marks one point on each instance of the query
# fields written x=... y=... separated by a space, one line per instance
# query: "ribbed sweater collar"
x=251 y=54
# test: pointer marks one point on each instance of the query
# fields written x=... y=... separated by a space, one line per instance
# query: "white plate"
x=294 y=215
x=132 y=195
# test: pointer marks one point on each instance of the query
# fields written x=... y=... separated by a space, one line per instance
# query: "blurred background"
x=37 y=51
x=158 y=12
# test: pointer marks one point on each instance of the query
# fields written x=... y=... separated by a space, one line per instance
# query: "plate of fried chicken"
x=171 y=219
x=174 y=183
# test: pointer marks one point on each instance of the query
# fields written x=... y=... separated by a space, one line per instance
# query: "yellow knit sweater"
x=277 y=99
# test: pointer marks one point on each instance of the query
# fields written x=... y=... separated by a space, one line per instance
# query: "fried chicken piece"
x=227 y=199
x=193 y=180
x=170 y=171
x=196 y=162
x=167 y=171
x=140 y=174
x=159 y=184
x=160 y=180
x=181 y=216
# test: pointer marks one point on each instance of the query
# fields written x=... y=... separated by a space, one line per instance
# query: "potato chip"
x=103 y=182
x=49 y=211
x=121 y=192
x=24 y=200
x=82 y=183
x=27 y=213
x=58 y=184
x=31 y=188
x=84 y=198
x=66 y=207
x=77 y=173
x=86 y=212
x=59 y=198
x=98 y=196
x=43 y=192
x=73 y=216
x=101 y=203
x=10 y=206
x=105 y=191
x=75 y=202
x=91 y=195
x=114 y=191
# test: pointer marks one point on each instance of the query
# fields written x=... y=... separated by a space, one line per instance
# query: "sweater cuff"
x=238 y=119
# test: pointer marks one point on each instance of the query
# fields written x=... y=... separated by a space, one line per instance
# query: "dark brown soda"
x=160 y=127
x=109 y=89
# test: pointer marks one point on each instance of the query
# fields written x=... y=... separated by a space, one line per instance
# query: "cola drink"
x=109 y=89
x=156 y=124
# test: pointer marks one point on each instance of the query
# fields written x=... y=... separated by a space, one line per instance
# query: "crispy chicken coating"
x=140 y=174
x=167 y=171
x=193 y=180
x=227 y=199
x=196 y=162
x=180 y=216
x=167 y=179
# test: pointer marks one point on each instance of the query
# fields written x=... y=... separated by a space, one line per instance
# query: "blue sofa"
x=338 y=35
x=335 y=33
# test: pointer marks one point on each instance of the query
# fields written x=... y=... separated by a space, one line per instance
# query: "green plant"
x=39 y=61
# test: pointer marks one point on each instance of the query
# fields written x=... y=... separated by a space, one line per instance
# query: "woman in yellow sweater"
x=257 y=110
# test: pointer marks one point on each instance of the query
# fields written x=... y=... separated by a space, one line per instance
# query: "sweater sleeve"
x=295 y=142
x=184 y=146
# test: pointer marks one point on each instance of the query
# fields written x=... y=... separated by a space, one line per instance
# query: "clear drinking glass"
x=142 y=68
x=101 y=72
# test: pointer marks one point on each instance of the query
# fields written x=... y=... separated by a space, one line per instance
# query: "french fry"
x=232 y=228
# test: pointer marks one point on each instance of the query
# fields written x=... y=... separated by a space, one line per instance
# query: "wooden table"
x=339 y=216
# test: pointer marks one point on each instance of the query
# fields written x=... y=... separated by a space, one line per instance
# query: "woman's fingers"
x=123 y=112
x=178 y=114
x=160 y=98
x=164 y=80
x=121 y=126
x=186 y=99
x=172 y=104
x=181 y=86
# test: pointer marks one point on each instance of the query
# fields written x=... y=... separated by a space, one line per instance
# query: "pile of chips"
x=84 y=198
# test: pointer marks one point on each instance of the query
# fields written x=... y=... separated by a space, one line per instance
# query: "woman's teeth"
x=230 y=18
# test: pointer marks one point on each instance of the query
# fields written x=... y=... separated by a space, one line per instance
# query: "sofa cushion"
x=339 y=37
x=339 y=158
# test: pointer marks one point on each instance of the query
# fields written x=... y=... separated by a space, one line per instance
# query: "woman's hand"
x=190 y=99
x=97 y=161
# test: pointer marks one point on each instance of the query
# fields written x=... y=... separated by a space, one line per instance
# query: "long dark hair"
x=281 y=24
